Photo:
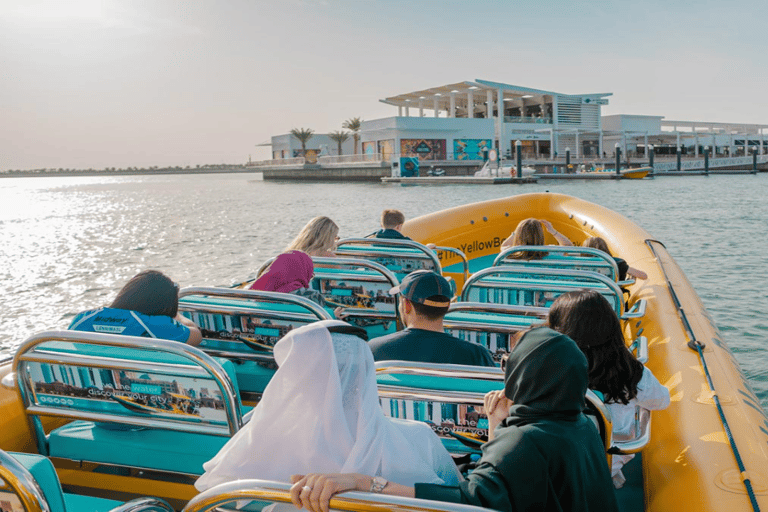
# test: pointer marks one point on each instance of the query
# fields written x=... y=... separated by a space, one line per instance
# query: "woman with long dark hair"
x=588 y=319
x=147 y=306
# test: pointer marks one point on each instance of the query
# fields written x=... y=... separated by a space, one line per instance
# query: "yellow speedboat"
x=690 y=463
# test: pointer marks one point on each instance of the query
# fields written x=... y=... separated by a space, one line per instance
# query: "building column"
x=678 y=138
x=645 y=145
x=714 y=145
x=399 y=111
x=600 y=145
x=421 y=107
x=407 y=112
x=500 y=116
x=488 y=104
x=452 y=113
x=578 y=153
x=762 y=141
x=435 y=106
x=551 y=143
x=536 y=144
x=471 y=104
x=696 y=149
x=730 y=147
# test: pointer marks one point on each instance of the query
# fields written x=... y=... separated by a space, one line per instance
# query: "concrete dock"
x=458 y=180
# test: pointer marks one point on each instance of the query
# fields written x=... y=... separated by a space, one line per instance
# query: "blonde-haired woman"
x=531 y=232
x=317 y=238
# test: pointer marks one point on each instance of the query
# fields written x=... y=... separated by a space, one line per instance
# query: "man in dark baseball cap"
x=424 y=300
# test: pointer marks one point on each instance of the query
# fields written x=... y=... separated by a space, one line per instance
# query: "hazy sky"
x=87 y=83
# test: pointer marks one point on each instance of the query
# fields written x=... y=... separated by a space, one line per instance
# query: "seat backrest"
x=536 y=287
x=562 y=257
x=491 y=325
x=401 y=257
x=450 y=398
x=361 y=288
x=128 y=380
x=246 y=324
x=262 y=493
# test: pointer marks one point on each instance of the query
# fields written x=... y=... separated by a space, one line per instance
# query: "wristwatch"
x=378 y=484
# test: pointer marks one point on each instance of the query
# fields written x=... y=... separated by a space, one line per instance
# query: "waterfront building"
x=320 y=144
x=634 y=133
x=462 y=121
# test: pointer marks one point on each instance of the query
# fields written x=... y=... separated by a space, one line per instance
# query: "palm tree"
x=339 y=137
x=353 y=124
x=303 y=134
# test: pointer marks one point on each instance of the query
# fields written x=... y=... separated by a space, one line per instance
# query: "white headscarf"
x=320 y=413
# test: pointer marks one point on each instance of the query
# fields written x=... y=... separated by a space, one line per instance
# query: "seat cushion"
x=77 y=503
x=161 y=450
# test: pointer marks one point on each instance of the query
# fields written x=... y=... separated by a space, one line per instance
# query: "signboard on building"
x=425 y=149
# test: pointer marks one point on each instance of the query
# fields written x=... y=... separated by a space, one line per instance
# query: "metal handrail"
x=264 y=490
x=507 y=309
x=636 y=311
x=640 y=347
x=528 y=273
x=424 y=252
x=460 y=254
x=564 y=250
x=195 y=355
x=254 y=295
x=642 y=434
x=439 y=370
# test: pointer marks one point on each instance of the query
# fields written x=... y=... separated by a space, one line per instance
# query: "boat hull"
x=689 y=464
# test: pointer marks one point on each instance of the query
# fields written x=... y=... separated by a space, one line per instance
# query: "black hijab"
x=546 y=378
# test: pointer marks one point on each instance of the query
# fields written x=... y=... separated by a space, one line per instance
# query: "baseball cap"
x=419 y=286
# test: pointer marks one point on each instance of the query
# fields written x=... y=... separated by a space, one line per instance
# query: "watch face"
x=378 y=484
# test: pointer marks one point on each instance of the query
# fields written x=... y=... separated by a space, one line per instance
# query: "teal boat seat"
x=26 y=470
x=562 y=258
x=138 y=402
x=361 y=288
x=244 y=325
x=509 y=284
x=152 y=449
x=449 y=397
x=401 y=257
x=492 y=326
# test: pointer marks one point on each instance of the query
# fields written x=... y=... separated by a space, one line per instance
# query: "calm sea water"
x=69 y=244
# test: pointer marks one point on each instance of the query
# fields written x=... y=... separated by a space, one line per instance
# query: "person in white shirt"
x=588 y=318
